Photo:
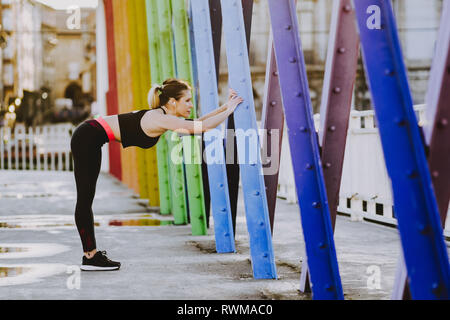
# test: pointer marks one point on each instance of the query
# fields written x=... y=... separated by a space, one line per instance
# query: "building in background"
x=418 y=22
x=70 y=62
x=22 y=59
x=2 y=47
x=47 y=56
x=48 y=62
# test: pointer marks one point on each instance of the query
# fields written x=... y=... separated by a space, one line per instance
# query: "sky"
x=64 y=4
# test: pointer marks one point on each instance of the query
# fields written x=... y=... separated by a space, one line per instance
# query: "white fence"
x=365 y=191
x=365 y=187
x=41 y=148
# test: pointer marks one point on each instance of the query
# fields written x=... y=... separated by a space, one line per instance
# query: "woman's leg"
x=87 y=163
x=86 y=144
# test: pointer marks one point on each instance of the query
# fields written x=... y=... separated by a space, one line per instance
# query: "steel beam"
x=436 y=134
x=421 y=233
x=204 y=167
x=111 y=96
x=137 y=69
x=215 y=13
x=124 y=86
x=437 y=128
x=340 y=75
x=165 y=206
x=339 y=79
x=310 y=185
x=258 y=224
x=191 y=150
x=174 y=145
x=145 y=79
x=272 y=120
x=209 y=99
x=230 y=138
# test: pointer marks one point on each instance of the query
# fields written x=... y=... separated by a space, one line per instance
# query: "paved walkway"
x=40 y=249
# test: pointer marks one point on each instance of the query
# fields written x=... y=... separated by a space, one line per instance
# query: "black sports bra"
x=131 y=131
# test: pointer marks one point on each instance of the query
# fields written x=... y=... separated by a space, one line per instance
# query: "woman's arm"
x=213 y=113
x=173 y=123
x=231 y=94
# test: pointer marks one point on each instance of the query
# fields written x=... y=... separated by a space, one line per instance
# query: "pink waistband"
x=107 y=128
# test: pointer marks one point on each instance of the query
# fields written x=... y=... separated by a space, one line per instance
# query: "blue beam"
x=252 y=179
x=421 y=234
x=209 y=100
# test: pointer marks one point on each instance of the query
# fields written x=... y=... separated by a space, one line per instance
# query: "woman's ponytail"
x=171 y=88
x=153 y=96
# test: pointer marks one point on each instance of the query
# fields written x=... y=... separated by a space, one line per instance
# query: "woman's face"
x=184 y=105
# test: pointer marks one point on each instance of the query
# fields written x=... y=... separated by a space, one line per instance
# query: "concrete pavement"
x=40 y=249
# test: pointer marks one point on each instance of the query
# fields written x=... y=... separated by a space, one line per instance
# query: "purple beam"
x=309 y=181
x=272 y=120
x=215 y=12
x=437 y=131
x=340 y=74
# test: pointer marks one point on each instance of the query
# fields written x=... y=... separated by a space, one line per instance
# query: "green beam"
x=176 y=170
x=149 y=155
x=156 y=77
x=192 y=153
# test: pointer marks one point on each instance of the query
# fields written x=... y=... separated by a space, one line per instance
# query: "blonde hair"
x=153 y=96
x=171 y=88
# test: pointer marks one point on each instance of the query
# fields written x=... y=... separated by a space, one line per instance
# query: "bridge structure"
x=147 y=41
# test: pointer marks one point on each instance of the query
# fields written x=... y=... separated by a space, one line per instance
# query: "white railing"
x=41 y=148
x=365 y=191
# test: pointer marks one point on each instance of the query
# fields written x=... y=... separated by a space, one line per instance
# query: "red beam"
x=112 y=106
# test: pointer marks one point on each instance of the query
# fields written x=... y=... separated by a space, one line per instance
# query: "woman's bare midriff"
x=113 y=122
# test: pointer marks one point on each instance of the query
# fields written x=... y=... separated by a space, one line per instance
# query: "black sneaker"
x=99 y=262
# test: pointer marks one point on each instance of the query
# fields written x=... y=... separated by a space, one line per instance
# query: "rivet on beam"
x=389 y=72
x=443 y=123
x=400 y=121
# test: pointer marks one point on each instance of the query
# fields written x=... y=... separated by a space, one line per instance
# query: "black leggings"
x=87 y=141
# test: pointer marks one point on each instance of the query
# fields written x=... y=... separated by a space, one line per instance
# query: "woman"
x=141 y=128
